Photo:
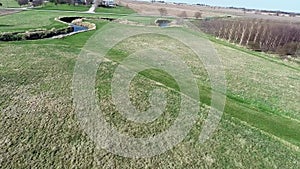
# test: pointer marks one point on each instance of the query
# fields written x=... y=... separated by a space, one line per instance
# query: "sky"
x=282 y=5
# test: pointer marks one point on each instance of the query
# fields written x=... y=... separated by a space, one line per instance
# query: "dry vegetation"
x=7 y=12
x=39 y=127
x=260 y=35
x=145 y=8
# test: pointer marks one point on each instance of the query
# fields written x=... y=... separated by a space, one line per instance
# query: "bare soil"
x=7 y=12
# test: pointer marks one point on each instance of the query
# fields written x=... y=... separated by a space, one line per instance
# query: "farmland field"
x=40 y=128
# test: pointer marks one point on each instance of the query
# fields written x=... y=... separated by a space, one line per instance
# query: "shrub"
x=198 y=15
x=37 y=2
x=259 y=35
x=6 y=36
x=254 y=46
x=183 y=15
x=288 y=49
x=34 y=35
x=23 y=2
x=163 y=11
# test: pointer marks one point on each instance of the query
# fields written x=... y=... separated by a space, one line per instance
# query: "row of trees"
x=72 y=2
x=259 y=35
x=183 y=14
x=41 y=2
x=33 y=2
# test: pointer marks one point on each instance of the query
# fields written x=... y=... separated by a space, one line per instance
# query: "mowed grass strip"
x=261 y=117
x=279 y=126
x=115 y=10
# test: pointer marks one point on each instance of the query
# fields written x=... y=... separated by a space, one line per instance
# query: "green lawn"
x=35 y=19
x=116 y=10
x=255 y=96
x=39 y=127
x=9 y=4
x=30 y=20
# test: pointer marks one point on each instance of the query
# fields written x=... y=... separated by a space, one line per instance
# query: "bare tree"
x=226 y=30
x=258 y=31
x=260 y=35
x=251 y=30
x=297 y=53
x=88 y=2
x=237 y=32
x=230 y=37
x=70 y=2
x=99 y=2
x=288 y=49
x=163 y=11
x=183 y=14
x=244 y=29
x=37 y=2
x=22 y=2
x=198 y=15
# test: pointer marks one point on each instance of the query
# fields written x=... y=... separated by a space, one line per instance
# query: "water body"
x=163 y=23
x=77 y=28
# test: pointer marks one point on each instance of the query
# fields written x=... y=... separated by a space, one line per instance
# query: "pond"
x=163 y=22
x=42 y=34
x=76 y=28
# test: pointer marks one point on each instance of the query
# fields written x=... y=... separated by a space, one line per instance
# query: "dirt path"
x=7 y=11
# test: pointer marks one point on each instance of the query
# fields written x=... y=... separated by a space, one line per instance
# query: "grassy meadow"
x=39 y=127
x=9 y=4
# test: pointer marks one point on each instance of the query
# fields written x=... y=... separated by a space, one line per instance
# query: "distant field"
x=39 y=127
x=147 y=8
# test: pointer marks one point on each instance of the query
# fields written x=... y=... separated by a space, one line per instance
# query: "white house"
x=107 y=3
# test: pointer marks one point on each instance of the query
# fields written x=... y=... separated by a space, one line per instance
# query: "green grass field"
x=64 y=7
x=30 y=20
x=116 y=10
x=39 y=127
x=9 y=4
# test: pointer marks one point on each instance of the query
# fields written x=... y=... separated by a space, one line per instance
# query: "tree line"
x=33 y=2
x=259 y=35
x=72 y=2
x=41 y=2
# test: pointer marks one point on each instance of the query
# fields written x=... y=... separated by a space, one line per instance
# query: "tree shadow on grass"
x=3 y=25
